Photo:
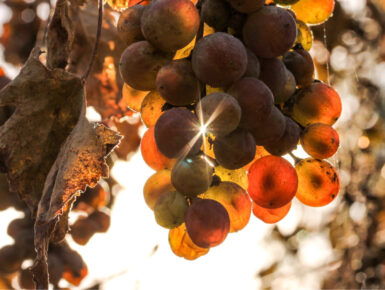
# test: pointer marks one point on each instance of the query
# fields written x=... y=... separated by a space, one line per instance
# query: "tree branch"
x=94 y=50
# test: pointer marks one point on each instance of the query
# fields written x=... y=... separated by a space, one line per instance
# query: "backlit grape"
x=318 y=182
x=271 y=215
x=273 y=182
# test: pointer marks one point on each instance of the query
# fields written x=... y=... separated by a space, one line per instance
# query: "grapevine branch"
x=94 y=50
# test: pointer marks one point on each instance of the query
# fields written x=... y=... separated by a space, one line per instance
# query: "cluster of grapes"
x=226 y=88
x=63 y=262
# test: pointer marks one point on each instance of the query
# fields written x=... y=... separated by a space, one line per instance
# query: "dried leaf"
x=60 y=36
x=129 y=128
x=48 y=105
x=80 y=163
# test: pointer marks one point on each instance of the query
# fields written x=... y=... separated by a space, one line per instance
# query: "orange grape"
x=182 y=245
x=235 y=200
x=318 y=182
x=272 y=182
x=320 y=140
x=151 y=108
x=133 y=97
x=158 y=184
x=317 y=103
x=151 y=154
x=313 y=11
x=271 y=215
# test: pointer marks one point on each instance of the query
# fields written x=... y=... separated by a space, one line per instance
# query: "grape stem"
x=95 y=48
x=296 y=159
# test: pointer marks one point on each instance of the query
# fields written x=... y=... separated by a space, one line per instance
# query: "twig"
x=296 y=159
x=94 y=50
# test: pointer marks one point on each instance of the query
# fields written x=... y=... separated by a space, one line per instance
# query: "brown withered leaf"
x=129 y=129
x=60 y=36
x=80 y=163
x=48 y=104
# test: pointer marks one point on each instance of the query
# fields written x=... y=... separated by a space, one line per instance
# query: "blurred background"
x=339 y=246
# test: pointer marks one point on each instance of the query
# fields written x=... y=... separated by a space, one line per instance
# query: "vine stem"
x=296 y=159
x=95 y=48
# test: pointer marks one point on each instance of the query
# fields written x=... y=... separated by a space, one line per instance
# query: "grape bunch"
x=63 y=262
x=226 y=88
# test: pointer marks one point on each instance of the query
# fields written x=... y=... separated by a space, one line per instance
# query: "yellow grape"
x=318 y=182
x=238 y=176
x=158 y=184
x=304 y=35
x=182 y=245
x=185 y=51
x=151 y=108
x=313 y=11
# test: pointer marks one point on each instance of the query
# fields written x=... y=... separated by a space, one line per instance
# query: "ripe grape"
x=133 y=98
x=271 y=215
x=177 y=133
x=318 y=182
x=271 y=129
x=219 y=59
x=234 y=150
x=139 y=64
x=253 y=68
x=273 y=182
x=151 y=154
x=129 y=24
x=102 y=218
x=220 y=112
x=255 y=100
x=288 y=141
x=313 y=11
x=158 y=184
x=10 y=259
x=238 y=176
x=269 y=32
x=170 y=209
x=300 y=63
x=317 y=103
x=170 y=24
x=320 y=140
x=83 y=230
x=192 y=175
x=152 y=108
x=273 y=74
x=182 y=245
x=304 y=35
x=246 y=6
x=235 y=200
x=216 y=13
x=288 y=90
x=207 y=223
x=177 y=83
